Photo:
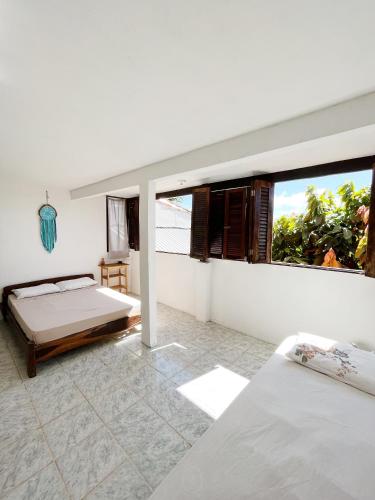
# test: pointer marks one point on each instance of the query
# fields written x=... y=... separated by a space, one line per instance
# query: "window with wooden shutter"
x=117 y=228
x=216 y=230
x=199 y=248
x=132 y=212
x=370 y=252
x=234 y=224
x=260 y=247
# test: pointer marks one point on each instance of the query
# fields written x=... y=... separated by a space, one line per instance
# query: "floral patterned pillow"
x=342 y=362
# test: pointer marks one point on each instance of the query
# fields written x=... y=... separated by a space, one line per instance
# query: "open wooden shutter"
x=234 y=224
x=132 y=213
x=370 y=253
x=261 y=213
x=227 y=224
x=199 y=223
x=216 y=231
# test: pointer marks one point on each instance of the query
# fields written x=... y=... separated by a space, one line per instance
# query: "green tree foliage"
x=333 y=222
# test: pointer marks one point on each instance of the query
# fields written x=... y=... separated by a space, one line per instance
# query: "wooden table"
x=117 y=271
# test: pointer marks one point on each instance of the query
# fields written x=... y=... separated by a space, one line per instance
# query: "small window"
x=117 y=229
x=322 y=221
x=173 y=223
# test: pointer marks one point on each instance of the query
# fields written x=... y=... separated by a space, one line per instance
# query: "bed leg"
x=31 y=361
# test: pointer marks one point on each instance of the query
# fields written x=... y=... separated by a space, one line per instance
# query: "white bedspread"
x=291 y=434
x=56 y=315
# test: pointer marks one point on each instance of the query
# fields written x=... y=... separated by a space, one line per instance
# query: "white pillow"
x=342 y=362
x=35 y=291
x=75 y=284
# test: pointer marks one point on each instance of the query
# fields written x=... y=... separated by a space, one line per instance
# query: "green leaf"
x=305 y=236
x=323 y=240
x=328 y=221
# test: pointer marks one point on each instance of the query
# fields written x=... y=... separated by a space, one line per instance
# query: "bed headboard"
x=8 y=289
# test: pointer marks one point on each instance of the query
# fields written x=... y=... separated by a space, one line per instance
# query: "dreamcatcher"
x=48 y=233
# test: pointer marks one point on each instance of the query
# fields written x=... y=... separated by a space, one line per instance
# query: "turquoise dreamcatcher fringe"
x=48 y=233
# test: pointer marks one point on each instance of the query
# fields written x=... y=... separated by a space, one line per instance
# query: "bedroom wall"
x=267 y=301
x=175 y=280
x=271 y=302
x=81 y=234
x=134 y=281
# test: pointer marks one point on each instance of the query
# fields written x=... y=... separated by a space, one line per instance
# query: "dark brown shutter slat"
x=199 y=223
x=261 y=222
x=370 y=253
x=234 y=224
x=132 y=213
x=216 y=229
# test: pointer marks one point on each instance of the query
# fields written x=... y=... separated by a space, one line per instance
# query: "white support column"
x=147 y=261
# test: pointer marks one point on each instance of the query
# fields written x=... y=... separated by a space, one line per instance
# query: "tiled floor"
x=110 y=421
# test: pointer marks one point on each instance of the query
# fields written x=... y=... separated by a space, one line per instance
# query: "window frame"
x=107 y=214
x=178 y=193
x=342 y=166
x=321 y=268
x=324 y=170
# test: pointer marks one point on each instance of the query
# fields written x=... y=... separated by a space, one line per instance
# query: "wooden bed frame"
x=35 y=353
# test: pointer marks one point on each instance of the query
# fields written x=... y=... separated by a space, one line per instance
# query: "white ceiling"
x=353 y=144
x=90 y=89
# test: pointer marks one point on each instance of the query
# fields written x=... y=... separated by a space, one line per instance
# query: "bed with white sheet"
x=57 y=315
x=54 y=315
x=292 y=433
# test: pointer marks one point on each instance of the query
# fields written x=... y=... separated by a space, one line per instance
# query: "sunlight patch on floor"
x=214 y=391
x=167 y=346
x=121 y=297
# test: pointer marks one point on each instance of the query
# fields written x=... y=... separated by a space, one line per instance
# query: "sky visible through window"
x=186 y=201
x=290 y=196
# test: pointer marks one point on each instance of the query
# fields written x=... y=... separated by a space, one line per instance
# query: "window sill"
x=320 y=268
x=172 y=253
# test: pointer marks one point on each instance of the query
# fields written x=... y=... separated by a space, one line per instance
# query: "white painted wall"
x=175 y=280
x=272 y=302
x=269 y=301
x=134 y=274
x=81 y=234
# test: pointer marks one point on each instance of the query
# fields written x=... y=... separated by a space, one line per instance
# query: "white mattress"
x=56 y=315
x=291 y=434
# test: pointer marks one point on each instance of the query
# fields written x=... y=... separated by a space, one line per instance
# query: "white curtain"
x=118 y=243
